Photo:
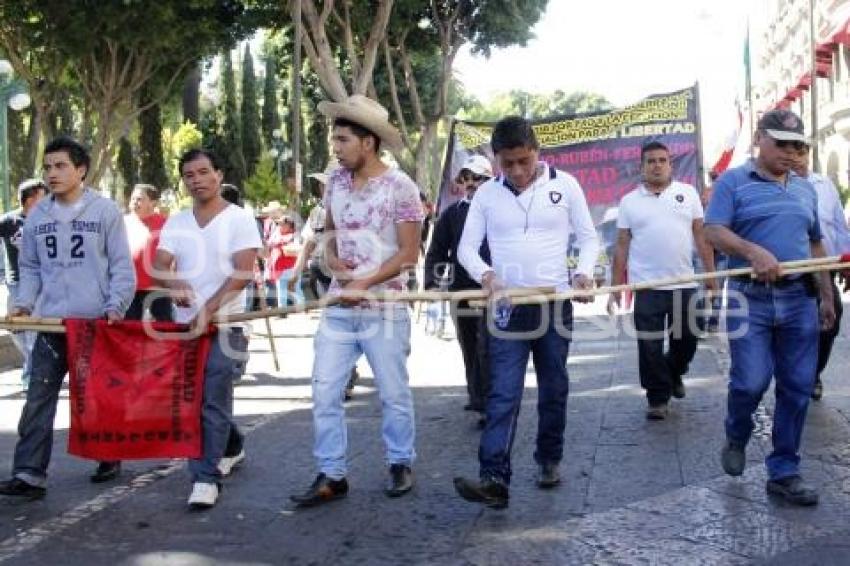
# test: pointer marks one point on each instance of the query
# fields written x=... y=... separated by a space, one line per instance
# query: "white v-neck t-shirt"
x=204 y=256
x=661 y=226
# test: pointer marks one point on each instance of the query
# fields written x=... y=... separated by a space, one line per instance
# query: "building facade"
x=780 y=47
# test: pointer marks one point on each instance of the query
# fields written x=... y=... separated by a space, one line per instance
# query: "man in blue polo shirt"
x=761 y=214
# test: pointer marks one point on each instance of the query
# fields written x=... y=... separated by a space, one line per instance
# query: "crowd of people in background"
x=512 y=229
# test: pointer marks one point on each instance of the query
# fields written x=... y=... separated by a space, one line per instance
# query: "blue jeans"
x=24 y=340
x=383 y=335
x=777 y=337
x=35 y=427
x=218 y=428
x=284 y=297
x=508 y=362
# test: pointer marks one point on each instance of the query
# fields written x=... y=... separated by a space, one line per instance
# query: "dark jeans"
x=508 y=361
x=471 y=327
x=35 y=428
x=221 y=435
x=160 y=308
x=827 y=337
x=659 y=314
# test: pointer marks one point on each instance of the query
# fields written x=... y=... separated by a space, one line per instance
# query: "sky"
x=627 y=50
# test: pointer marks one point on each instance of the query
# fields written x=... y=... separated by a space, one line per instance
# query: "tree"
x=264 y=185
x=127 y=166
x=271 y=116
x=423 y=39
x=234 y=169
x=324 y=38
x=111 y=50
x=192 y=94
x=522 y=103
x=251 y=145
x=150 y=145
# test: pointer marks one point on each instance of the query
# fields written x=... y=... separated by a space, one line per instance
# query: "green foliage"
x=522 y=103
x=271 y=115
x=264 y=185
x=175 y=144
x=251 y=145
x=231 y=153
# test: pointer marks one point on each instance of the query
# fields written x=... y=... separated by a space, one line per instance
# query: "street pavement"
x=634 y=491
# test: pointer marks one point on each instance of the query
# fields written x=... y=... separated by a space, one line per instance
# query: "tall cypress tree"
x=251 y=145
x=150 y=144
x=234 y=171
x=271 y=116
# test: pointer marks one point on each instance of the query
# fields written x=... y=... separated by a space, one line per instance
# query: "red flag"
x=728 y=146
x=132 y=395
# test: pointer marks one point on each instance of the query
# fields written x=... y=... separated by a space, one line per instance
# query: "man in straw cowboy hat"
x=372 y=224
x=760 y=214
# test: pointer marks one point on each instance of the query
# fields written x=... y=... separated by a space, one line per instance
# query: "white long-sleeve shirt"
x=529 y=234
x=833 y=224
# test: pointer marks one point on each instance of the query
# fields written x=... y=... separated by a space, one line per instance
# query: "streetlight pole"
x=13 y=94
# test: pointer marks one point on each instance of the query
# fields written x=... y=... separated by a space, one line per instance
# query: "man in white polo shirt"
x=527 y=215
x=659 y=224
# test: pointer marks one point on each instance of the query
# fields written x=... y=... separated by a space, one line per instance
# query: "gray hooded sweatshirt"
x=76 y=269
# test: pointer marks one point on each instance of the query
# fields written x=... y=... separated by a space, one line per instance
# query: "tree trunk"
x=34 y=137
x=150 y=148
x=192 y=95
x=422 y=171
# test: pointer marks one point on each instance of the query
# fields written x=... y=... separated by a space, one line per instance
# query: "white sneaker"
x=227 y=464
x=204 y=495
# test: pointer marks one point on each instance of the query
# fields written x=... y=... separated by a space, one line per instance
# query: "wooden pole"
x=263 y=306
x=477 y=297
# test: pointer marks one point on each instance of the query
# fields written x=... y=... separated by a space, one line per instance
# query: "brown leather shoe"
x=322 y=490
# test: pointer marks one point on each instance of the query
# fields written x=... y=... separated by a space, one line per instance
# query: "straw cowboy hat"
x=323 y=177
x=271 y=208
x=367 y=113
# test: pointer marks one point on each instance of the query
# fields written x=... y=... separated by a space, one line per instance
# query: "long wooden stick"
x=263 y=304
x=525 y=295
x=795 y=267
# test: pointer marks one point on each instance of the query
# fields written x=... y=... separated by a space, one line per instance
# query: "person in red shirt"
x=282 y=258
x=143 y=226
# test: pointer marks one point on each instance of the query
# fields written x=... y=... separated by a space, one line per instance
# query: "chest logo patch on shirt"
x=555 y=197
x=680 y=198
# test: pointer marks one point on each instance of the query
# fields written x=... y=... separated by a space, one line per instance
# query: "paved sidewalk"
x=634 y=491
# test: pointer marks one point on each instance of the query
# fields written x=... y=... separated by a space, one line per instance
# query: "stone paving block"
x=754 y=534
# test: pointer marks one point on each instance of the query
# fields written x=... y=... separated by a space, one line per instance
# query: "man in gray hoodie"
x=74 y=263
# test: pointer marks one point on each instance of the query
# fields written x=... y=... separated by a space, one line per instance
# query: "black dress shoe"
x=491 y=492
x=401 y=480
x=548 y=476
x=19 y=488
x=322 y=490
x=106 y=471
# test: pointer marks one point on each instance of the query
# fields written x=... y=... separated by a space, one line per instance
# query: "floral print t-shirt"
x=365 y=221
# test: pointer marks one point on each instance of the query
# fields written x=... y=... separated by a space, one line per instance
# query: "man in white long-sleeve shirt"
x=528 y=215
x=836 y=241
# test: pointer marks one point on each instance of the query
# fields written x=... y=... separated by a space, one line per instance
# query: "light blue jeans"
x=383 y=335
x=284 y=297
x=24 y=340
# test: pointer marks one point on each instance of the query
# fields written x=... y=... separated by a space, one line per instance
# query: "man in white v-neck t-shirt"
x=206 y=258
x=660 y=223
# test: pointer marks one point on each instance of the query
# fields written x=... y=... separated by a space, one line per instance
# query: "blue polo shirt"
x=783 y=219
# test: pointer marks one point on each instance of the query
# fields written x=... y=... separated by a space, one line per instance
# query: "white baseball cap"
x=478 y=165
